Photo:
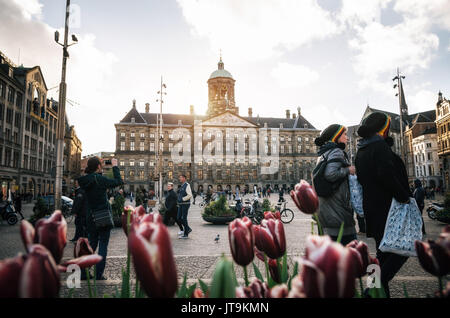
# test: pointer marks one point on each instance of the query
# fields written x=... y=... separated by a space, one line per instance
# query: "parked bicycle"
x=253 y=211
x=287 y=215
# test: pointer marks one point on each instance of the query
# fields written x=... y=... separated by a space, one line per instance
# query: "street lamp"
x=160 y=138
x=61 y=109
x=403 y=109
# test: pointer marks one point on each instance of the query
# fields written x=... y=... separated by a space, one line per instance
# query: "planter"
x=218 y=219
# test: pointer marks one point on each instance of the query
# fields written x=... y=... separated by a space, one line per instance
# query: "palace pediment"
x=228 y=119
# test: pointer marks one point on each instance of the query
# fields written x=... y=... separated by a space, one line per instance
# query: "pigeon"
x=217 y=238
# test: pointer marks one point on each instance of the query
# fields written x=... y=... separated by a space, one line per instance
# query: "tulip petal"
x=10 y=270
x=84 y=261
x=27 y=233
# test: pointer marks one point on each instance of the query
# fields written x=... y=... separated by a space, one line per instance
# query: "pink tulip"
x=40 y=276
x=365 y=258
x=82 y=248
x=305 y=197
x=272 y=215
x=278 y=291
x=10 y=270
x=149 y=245
x=52 y=233
x=297 y=288
x=434 y=257
x=328 y=269
x=256 y=289
x=84 y=261
x=242 y=241
x=270 y=238
x=197 y=293
x=139 y=215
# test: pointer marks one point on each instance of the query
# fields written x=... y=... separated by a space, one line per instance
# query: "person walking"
x=336 y=208
x=281 y=195
x=184 y=202
x=419 y=195
x=95 y=185
x=80 y=206
x=171 y=208
x=383 y=177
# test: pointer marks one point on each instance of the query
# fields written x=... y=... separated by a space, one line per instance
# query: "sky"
x=332 y=58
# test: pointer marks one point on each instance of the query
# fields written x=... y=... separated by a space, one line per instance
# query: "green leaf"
x=223 y=285
x=234 y=275
x=71 y=292
x=405 y=292
x=190 y=290
x=284 y=270
x=106 y=296
x=257 y=272
x=341 y=233
x=294 y=273
x=203 y=287
x=182 y=291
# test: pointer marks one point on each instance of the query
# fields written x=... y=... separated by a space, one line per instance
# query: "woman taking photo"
x=99 y=216
x=335 y=208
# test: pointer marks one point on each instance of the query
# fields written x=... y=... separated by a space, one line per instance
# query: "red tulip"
x=270 y=238
x=444 y=238
x=242 y=241
x=51 y=233
x=198 y=293
x=10 y=270
x=84 y=261
x=256 y=289
x=40 y=276
x=328 y=269
x=365 y=259
x=272 y=215
x=138 y=214
x=82 y=248
x=278 y=291
x=28 y=233
x=273 y=270
x=258 y=253
x=297 y=288
x=305 y=197
x=149 y=245
x=433 y=257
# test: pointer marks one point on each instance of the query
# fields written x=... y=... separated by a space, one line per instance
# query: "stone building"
x=28 y=123
x=443 y=137
x=72 y=158
x=241 y=147
x=426 y=160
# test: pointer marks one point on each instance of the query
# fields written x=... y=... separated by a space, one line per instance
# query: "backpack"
x=323 y=187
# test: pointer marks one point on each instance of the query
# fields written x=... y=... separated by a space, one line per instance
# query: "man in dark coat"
x=382 y=175
x=171 y=207
x=419 y=195
x=79 y=208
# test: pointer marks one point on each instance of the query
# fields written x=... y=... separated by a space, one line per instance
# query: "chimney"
x=250 y=112
x=299 y=111
x=191 y=109
x=294 y=115
x=147 y=108
x=288 y=113
x=134 y=103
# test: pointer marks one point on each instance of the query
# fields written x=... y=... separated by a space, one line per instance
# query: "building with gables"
x=443 y=137
x=285 y=144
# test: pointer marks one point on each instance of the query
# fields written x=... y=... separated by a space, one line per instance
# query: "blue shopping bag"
x=356 y=195
x=403 y=228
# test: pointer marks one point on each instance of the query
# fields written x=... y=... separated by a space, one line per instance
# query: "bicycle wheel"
x=287 y=215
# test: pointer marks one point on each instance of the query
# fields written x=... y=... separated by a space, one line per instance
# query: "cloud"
x=422 y=100
x=89 y=72
x=256 y=30
x=291 y=76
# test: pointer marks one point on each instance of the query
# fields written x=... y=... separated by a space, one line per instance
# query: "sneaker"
x=102 y=278
x=184 y=237
x=180 y=233
x=189 y=231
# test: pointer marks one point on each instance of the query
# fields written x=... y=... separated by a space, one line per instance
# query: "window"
x=132 y=135
x=27 y=142
x=122 y=145
x=299 y=139
x=131 y=162
x=11 y=93
x=142 y=135
x=41 y=131
x=282 y=148
x=152 y=164
x=170 y=147
x=152 y=135
x=122 y=163
x=141 y=163
x=152 y=146
x=122 y=134
x=200 y=174
x=19 y=100
x=141 y=146
x=18 y=120
x=132 y=146
x=2 y=89
x=9 y=116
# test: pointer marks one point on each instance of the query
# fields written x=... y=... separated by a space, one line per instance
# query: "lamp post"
x=160 y=138
x=61 y=110
x=403 y=110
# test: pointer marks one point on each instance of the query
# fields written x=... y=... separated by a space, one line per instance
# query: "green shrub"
x=266 y=206
x=218 y=208
x=40 y=210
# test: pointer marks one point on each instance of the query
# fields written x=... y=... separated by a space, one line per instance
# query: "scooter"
x=433 y=209
x=8 y=212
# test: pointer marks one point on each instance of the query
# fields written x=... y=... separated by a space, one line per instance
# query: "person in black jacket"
x=79 y=208
x=419 y=195
x=171 y=207
x=382 y=175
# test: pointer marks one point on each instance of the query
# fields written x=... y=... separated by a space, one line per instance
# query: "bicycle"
x=253 y=212
x=287 y=215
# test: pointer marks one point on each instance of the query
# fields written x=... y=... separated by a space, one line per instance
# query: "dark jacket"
x=382 y=175
x=95 y=185
x=171 y=201
x=419 y=194
x=80 y=204
x=335 y=209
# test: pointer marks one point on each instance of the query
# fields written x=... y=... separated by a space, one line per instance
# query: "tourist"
x=171 y=208
x=79 y=208
x=336 y=208
x=95 y=186
x=184 y=201
x=281 y=195
x=382 y=175
x=419 y=196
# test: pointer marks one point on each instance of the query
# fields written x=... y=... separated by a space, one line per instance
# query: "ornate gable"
x=228 y=119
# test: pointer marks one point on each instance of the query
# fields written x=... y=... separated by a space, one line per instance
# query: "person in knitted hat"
x=382 y=175
x=335 y=209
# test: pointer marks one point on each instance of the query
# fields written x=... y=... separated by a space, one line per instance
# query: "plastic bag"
x=356 y=195
x=403 y=228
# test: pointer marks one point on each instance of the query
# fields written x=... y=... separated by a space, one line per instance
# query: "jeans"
x=345 y=238
x=80 y=227
x=390 y=264
x=182 y=217
x=172 y=214
x=361 y=223
x=100 y=237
